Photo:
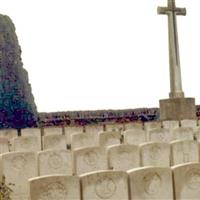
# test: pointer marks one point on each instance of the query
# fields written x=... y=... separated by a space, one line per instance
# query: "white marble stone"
x=55 y=162
x=114 y=127
x=123 y=157
x=192 y=123
x=155 y=154
x=80 y=140
x=9 y=133
x=4 y=144
x=53 y=130
x=111 y=185
x=187 y=181
x=90 y=159
x=135 y=136
x=94 y=128
x=133 y=125
x=69 y=130
x=109 y=138
x=170 y=124
x=183 y=133
x=27 y=143
x=18 y=167
x=152 y=125
x=55 y=187
x=32 y=132
x=150 y=183
x=184 y=151
x=161 y=135
x=54 y=142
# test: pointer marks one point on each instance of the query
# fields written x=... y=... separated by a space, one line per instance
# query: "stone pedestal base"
x=177 y=109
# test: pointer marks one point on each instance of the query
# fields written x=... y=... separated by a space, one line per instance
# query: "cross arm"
x=166 y=10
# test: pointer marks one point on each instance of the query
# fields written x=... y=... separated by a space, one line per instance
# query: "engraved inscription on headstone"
x=54 y=191
x=152 y=183
x=105 y=188
x=90 y=158
x=193 y=179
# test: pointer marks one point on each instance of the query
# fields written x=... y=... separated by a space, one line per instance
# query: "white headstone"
x=123 y=157
x=134 y=125
x=27 y=143
x=18 y=167
x=9 y=133
x=32 y=132
x=152 y=125
x=114 y=127
x=134 y=136
x=80 y=140
x=69 y=130
x=151 y=183
x=155 y=154
x=183 y=133
x=187 y=181
x=53 y=130
x=112 y=185
x=192 y=123
x=109 y=138
x=90 y=159
x=171 y=124
x=197 y=134
x=55 y=162
x=55 y=187
x=54 y=142
x=184 y=151
x=94 y=128
x=161 y=135
x=4 y=145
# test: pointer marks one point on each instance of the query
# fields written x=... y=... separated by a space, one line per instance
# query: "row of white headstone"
x=179 y=182
x=34 y=142
x=18 y=167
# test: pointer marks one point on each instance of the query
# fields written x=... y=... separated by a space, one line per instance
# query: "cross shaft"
x=174 y=59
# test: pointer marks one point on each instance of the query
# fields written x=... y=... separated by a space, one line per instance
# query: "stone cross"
x=174 y=59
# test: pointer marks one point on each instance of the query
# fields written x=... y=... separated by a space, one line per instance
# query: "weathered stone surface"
x=53 y=130
x=151 y=183
x=4 y=145
x=69 y=130
x=187 y=181
x=152 y=125
x=170 y=124
x=17 y=105
x=192 y=123
x=177 y=109
x=155 y=154
x=133 y=125
x=112 y=185
x=54 y=142
x=109 y=138
x=161 y=135
x=90 y=159
x=123 y=157
x=18 y=167
x=26 y=143
x=114 y=127
x=55 y=187
x=55 y=162
x=94 y=128
x=184 y=151
x=183 y=133
x=81 y=140
x=135 y=136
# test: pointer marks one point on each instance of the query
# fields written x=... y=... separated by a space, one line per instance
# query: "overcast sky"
x=103 y=54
